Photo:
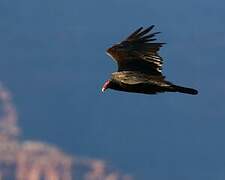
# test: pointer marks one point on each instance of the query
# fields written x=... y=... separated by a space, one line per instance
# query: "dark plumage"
x=139 y=66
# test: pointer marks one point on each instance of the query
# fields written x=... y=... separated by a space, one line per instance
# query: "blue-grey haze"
x=53 y=60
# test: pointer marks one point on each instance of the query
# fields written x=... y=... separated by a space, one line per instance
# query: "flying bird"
x=140 y=66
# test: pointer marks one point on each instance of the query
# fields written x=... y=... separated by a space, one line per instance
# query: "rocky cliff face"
x=31 y=160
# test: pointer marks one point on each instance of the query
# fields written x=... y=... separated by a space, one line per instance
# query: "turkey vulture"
x=140 y=66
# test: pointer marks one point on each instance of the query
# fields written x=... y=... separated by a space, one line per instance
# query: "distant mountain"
x=31 y=160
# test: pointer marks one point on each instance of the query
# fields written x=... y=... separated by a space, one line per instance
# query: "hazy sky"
x=53 y=60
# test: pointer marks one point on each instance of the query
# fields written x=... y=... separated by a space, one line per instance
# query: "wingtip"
x=149 y=28
x=152 y=26
x=138 y=30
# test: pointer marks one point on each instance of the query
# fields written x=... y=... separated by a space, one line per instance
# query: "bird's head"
x=106 y=85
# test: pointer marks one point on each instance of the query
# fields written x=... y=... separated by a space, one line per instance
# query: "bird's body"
x=139 y=66
x=132 y=81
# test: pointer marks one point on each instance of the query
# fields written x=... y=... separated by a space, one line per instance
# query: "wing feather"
x=139 y=52
x=134 y=34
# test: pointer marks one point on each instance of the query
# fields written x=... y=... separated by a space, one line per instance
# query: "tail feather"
x=185 y=90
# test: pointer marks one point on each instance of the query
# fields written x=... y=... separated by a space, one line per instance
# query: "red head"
x=106 y=85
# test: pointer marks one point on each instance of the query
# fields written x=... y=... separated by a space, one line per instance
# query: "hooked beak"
x=105 y=86
x=103 y=89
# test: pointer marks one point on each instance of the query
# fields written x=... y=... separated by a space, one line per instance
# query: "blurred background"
x=53 y=62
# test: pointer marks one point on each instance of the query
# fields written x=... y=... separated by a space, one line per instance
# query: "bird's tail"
x=184 y=90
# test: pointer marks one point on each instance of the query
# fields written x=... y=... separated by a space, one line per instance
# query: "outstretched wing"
x=138 y=52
